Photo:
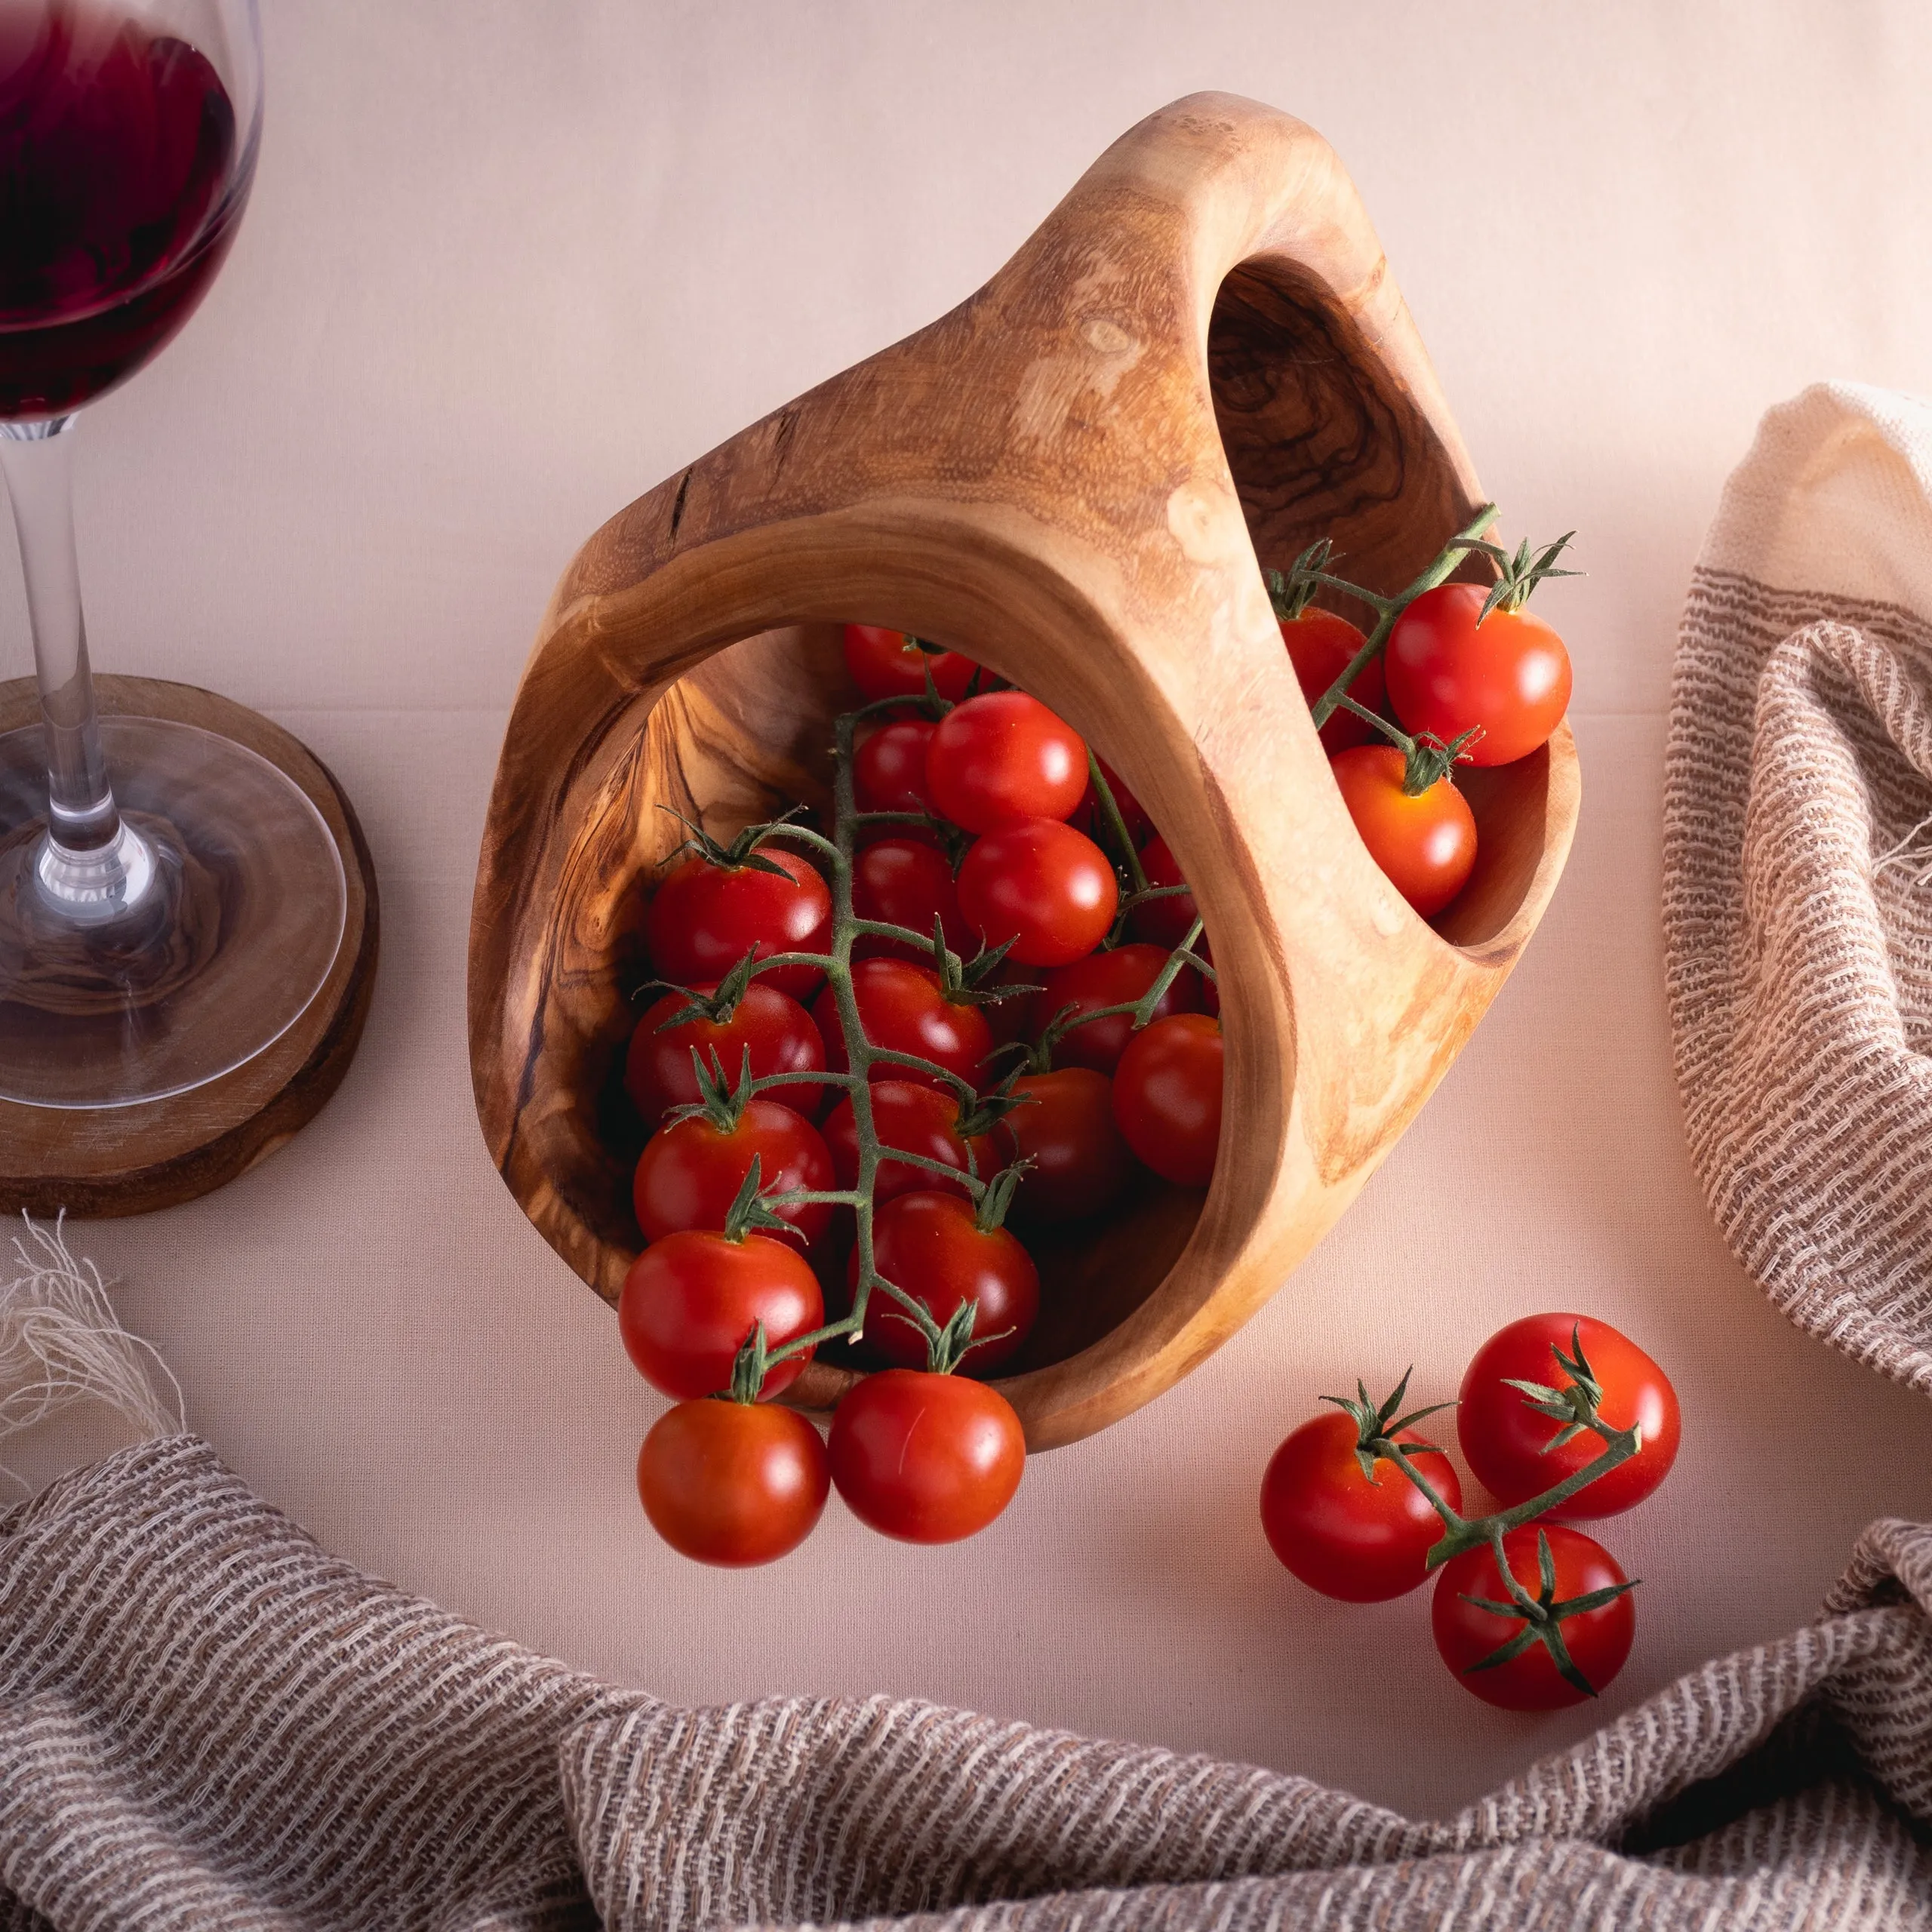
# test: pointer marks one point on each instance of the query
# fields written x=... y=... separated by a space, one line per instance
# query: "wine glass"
x=169 y=901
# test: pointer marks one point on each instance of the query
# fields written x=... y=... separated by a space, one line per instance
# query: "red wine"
x=120 y=186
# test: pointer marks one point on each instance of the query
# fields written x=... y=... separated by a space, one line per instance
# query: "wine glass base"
x=234 y=938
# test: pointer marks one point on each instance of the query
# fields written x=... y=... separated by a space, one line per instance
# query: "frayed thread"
x=60 y=1343
x=1905 y=854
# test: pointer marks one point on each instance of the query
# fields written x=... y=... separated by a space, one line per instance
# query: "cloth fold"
x=206 y=1721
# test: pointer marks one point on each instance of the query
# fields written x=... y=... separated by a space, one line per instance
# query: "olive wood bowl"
x=1198 y=365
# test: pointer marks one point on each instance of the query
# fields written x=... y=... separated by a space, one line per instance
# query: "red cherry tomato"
x=927 y=1244
x=690 y=1172
x=1012 y=1018
x=1081 y=1164
x=1168 y=1097
x=915 y=1120
x=1508 y=675
x=1362 y=1542
x=733 y=1484
x=1091 y=820
x=1321 y=646
x=1041 y=884
x=889 y=768
x=902 y=882
x=704 y=918
x=1004 y=757
x=1426 y=845
x=1505 y=1438
x=691 y=1301
x=888 y=663
x=1117 y=978
x=778 y=1032
x=902 y=1007
x=1598 y=1641
x=925 y=1458
x=1163 y=922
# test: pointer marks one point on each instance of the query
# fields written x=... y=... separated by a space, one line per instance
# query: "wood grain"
x=1199 y=362
x=129 y=1160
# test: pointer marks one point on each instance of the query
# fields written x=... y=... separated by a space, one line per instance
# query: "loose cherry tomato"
x=1426 y=844
x=1321 y=646
x=903 y=1008
x=1342 y=1534
x=1041 y=884
x=1506 y=1439
x=925 y=1458
x=690 y=1302
x=1163 y=922
x=1508 y=675
x=915 y=1120
x=1117 y=978
x=733 y=1484
x=1598 y=1640
x=929 y=1243
x=690 y=1172
x=888 y=663
x=1090 y=819
x=705 y=918
x=902 y=882
x=1168 y=1097
x=778 y=1032
x=1004 y=757
x=889 y=768
x=1081 y=1164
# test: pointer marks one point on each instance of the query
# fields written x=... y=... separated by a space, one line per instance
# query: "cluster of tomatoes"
x=975 y=994
x=1561 y=1418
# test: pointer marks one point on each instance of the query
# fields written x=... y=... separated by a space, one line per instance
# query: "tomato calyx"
x=990 y=1211
x=717 y=1006
x=742 y=854
x=1427 y=761
x=1290 y=596
x=1543 y=1614
x=1520 y=575
x=1378 y=1427
x=1575 y=1404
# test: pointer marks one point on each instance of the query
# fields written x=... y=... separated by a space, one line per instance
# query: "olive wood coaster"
x=1199 y=364
x=109 y=1160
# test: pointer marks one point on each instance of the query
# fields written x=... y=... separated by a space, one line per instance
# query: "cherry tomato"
x=1598 y=1640
x=658 y=1073
x=1041 y=884
x=1426 y=845
x=1090 y=819
x=690 y=1172
x=1168 y=1097
x=1004 y=757
x=1508 y=675
x=902 y=882
x=1013 y=1018
x=889 y=768
x=927 y=1243
x=1081 y=1164
x=705 y=918
x=1321 y=645
x=1505 y=1438
x=925 y=1458
x=1362 y=1542
x=690 y=1302
x=1117 y=978
x=732 y=1483
x=916 y=1120
x=888 y=663
x=902 y=1007
x=1163 y=922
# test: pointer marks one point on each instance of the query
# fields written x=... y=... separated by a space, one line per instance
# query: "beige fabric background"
x=508 y=265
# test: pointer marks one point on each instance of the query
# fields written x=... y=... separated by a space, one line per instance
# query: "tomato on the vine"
x=690 y=1302
x=1004 y=757
x=1597 y=1638
x=733 y=1484
x=889 y=663
x=889 y=767
x=925 y=1458
x=706 y=916
x=904 y=882
x=1168 y=1097
x=1120 y=977
x=1361 y=1539
x=903 y=1008
x=772 y=1026
x=915 y=1120
x=1066 y=1126
x=690 y=1172
x=1508 y=1439
x=1042 y=885
x=1507 y=677
x=931 y=1244
x=1163 y=922
x=1425 y=843
x=1321 y=645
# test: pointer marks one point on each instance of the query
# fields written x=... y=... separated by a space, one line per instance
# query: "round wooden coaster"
x=129 y=1160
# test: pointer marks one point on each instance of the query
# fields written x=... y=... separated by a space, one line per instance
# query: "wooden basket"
x=1198 y=365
